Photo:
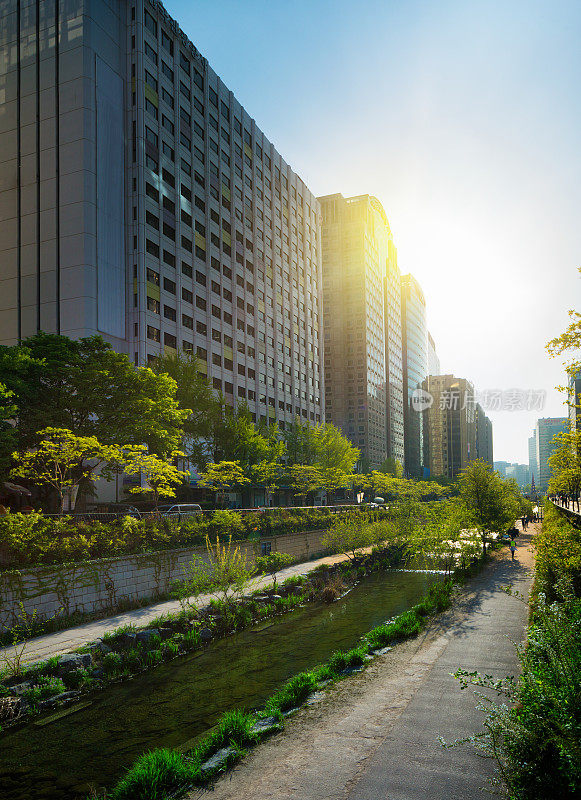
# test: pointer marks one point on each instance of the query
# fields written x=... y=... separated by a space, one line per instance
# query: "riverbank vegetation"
x=535 y=734
x=162 y=772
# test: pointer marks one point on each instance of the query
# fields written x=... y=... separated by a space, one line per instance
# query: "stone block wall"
x=110 y=584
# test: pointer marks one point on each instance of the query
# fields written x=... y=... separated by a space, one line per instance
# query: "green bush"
x=29 y=539
x=538 y=741
x=112 y=663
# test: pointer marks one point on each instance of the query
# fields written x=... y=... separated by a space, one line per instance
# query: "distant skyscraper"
x=362 y=326
x=433 y=360
x=483 y=436
x=533 y=463
x=501 y=466
x=545 y=430
x=450 y=425
x=415 y=370
x=139 y=200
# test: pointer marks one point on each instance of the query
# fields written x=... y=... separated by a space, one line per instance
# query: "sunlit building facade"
x=140 y=201
x=362 y=325
x=450 y=425
x=434 y=367
x=415 y=371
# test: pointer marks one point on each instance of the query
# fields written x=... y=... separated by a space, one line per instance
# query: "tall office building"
x=484 y=445
x=545 y=430
x=415 y=371
x=433 y=360
x=450 y=425
x=362 y=322
x=533 y=464
x=140 y=201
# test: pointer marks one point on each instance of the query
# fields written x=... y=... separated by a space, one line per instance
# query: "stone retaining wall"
x=110 y=584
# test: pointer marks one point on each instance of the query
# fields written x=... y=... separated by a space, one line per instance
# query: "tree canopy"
x=89 y=389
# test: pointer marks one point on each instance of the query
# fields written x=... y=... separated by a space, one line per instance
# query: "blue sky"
x=464 y=119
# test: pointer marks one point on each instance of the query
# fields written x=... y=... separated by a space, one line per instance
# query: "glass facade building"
x=139 y=200
x=545 y=429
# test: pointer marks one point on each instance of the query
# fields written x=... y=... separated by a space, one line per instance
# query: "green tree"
x=300 y=444
x=62 y=460
x=565 y=463
x=491 y=504
x=8 y=412
x=272 y=564
x=160 y=474
x=195 y=393
x=350 y=537
x=333 y=451
x=392 y=467
x=225 y=476
x=305 y=478
x=89 y=389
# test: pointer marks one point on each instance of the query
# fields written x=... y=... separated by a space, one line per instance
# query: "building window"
x=153 y=333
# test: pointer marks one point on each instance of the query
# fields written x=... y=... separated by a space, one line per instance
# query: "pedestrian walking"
x=512 y=546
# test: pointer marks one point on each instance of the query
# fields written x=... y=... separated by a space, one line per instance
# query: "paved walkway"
x=54 y=644
x=375 y=735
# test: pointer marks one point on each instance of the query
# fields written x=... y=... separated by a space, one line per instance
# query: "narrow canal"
x=178 y=701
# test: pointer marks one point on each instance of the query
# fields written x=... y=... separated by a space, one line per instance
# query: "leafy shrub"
x=227 y=523
x=112 y=663
x=29 y=539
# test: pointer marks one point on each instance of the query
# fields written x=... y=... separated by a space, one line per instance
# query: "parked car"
x=179 y=510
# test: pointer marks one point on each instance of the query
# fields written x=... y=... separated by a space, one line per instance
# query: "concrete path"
x=375 y=735
x=54 y=644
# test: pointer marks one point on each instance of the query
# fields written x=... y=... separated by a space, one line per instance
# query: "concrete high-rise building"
x=415 y=370
x=140 y=201
x=362 y=323
x=450 y=425
x=501 y=467
x=394 y=354
x=545 y=430
x=520 y=472
x=484 y=445
x=533 y=464
x=433 y=360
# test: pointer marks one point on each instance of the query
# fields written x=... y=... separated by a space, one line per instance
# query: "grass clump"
x=154 y=776
x=293 y=693
x=234 y=729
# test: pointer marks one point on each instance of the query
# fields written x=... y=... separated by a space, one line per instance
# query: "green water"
x=180 y=700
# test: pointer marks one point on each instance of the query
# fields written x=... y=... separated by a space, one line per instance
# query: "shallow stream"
x=94 y=744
